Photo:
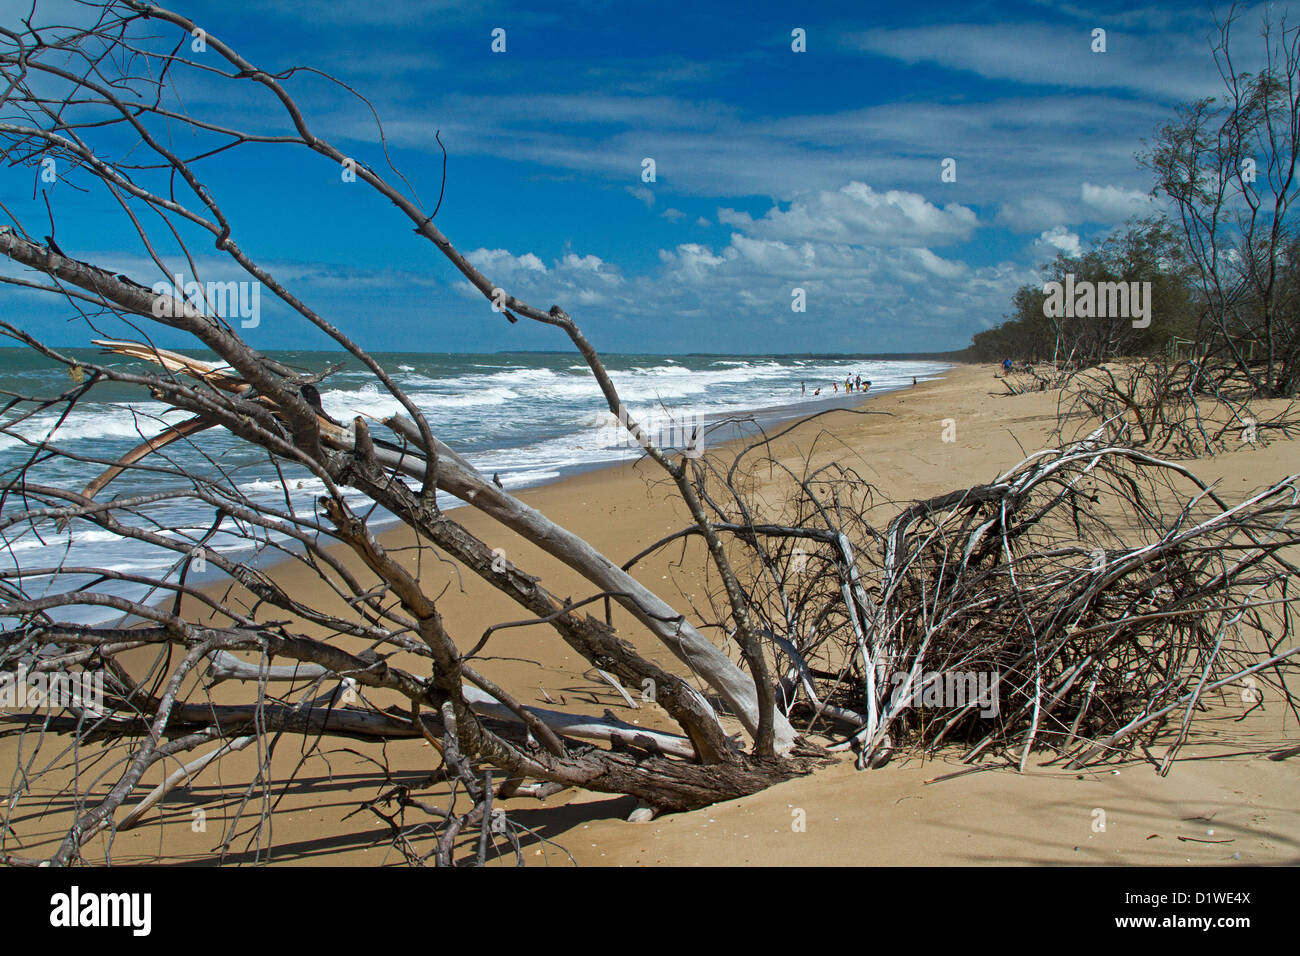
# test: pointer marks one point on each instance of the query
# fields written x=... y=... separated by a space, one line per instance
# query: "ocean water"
x=529 y=417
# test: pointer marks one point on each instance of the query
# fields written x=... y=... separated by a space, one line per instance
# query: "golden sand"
x=899 y=814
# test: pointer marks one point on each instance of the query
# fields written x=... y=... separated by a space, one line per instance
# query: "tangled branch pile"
x=1169 y=407
x=1087 y=601
x=1022 y=379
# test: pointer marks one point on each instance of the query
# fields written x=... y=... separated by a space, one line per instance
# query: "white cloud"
x=587 y=263
x=690 y=260
x=586 y=280
x=859 y=215
x=875 y=297
x=1152 y=62
x=737 y=295
x=859 y=254
x=500 y=262
x=1114 y=204
x=939 y=267
x=1062 y=240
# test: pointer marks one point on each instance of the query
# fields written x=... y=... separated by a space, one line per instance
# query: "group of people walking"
x=852 y=383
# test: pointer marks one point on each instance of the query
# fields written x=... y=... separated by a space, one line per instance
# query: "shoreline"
x=910 y=811
x=896 y=815
x=766 y=418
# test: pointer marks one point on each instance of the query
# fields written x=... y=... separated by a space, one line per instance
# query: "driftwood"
x=225 y=666
x=1086 y=594
x=399 y=464
x=1175 y=408
x=182 y=775
x=819 y=613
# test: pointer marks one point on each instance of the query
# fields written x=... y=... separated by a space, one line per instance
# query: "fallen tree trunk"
x=225 y=666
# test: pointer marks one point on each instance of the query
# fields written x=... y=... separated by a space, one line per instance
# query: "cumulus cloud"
x=872 y=296
x=938 y=267
x=859 y=215
x=574 y=262
x=690 y=260
x=1062 y=240
x=1114 y=204
x=502 y=262
x=584 y=279
x=861 y=256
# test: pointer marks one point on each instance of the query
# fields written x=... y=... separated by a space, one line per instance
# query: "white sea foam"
x=367 y=400
x=98 y=421
x=530 y=421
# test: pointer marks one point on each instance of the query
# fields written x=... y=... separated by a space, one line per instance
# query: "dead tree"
x=1228 y=164
x=113 y=80
x=819 y=610
x=1168 y=406
x=1087 y=602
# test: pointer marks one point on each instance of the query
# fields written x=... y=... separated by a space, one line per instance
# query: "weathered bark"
x=656 y=615
x=277 y=409
x=226 y=666
x=668 y=785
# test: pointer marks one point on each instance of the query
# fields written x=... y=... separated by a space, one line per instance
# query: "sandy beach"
x=1221 y=803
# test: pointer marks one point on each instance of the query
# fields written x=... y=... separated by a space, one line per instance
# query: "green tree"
x=1229 y=166
x=1146 y=252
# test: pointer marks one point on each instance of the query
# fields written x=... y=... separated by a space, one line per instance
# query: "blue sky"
x=775 y=169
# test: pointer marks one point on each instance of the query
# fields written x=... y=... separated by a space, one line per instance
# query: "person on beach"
x=835 y=386
x=817 y=392
x=857 y=380
x=866 y=385
x=803 y=389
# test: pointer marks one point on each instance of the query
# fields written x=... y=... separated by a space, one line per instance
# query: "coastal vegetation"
x=1223 y=263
